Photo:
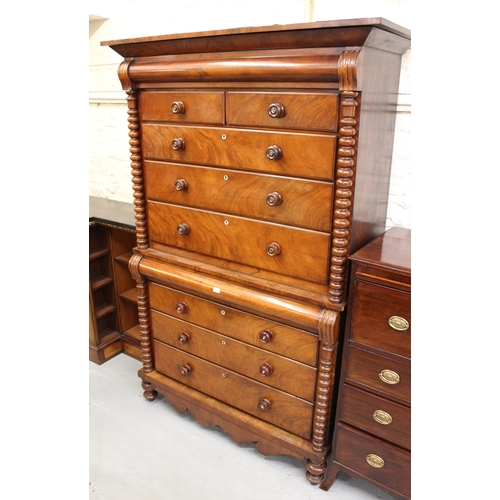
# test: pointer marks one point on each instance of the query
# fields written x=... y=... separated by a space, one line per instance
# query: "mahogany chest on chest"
x=261 y=160
x=372 y=437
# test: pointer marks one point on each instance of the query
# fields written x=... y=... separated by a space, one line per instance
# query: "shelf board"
x=130 y=295
x=107 y=335
x=124 y=258
x=103 y=309
x=100 y=281
x=95 y=253
x=133 y=333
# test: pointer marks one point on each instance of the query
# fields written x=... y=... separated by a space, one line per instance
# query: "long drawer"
x=385 y=376
x=294 y=110
x=375 y=459
x=382 y=318
x=287 y=250
x=293 y=201
x=295 y=154
x=274 y=337
x=183 y=107
x=376 y=415
x=264 y=366
x=269 y=404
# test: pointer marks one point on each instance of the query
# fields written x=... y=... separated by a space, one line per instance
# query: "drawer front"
x=375 y=309
x=378 y=416
x=357 y=451
x=273 y=406
x=302 y=155
x=270 y=369
x=386 y=376
x=298 y=202
x=313 y=111
x=291 y=251
x=274 y=337
x=183 y=107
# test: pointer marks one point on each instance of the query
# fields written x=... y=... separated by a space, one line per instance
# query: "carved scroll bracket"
x=348 y=68
x=124 y=76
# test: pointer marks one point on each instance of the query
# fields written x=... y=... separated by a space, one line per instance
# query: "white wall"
x=110 y=174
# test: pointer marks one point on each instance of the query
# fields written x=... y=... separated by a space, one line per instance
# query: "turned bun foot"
x=315 y=472
x=149 y=393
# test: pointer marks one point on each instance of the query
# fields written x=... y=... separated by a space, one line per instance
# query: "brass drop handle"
x=178 y=144
x=389 y=377
x=181 y=307
x=183 y=229
x=264 y=405
x=276 y=110
x=184 y=338
x=266 y=369
x=266 y=336
x=178 y=107
x=398 y=323
x=185 y=370
x=375 y=461
x=382 y=417
x=181 y=185
x=273 y=199
x=273 y=249
x=273 y=152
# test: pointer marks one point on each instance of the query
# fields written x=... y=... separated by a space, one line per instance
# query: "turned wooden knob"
x=276 y=110
x=181 y=307
x=273 y=199
x=183 y=229
x=178 y=144
x=181 y=185
x=264 y=405
x=266 y=336
x=273 y=152
x=185 y=370
x=273 y=249
x=178 y=107
x=184 y=338
x=266 y=369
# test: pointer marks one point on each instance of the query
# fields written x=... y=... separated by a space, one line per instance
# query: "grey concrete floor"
x=141 y=450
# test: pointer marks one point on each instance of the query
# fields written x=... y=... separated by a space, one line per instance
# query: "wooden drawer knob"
x=264 y=405
x=183 y=229
x=185 y=370
x=375 y=461
x=178 y=107
x=273 y=249
x=389 y=377
x=181 y=307
x=178 y=144
x=273 y=199
x=276 y=110
x=184 y=338
x=273 y=152
x=266 y=369
x=266 y=336
x=181 y=185
x=398 y=323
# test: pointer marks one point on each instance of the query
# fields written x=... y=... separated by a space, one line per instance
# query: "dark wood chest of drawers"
x=261 y=160
x=372 y=436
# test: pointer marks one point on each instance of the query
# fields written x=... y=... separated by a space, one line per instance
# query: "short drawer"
x=293 y=110
x=270 y=369
x=285 y=200
x=385 y=376
x=285 y=153
x=382 y=318
x=259 y=332
x=379 y=461
x=269 y=404
x=376 y=415
x=182 y=107
x=283 y=249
